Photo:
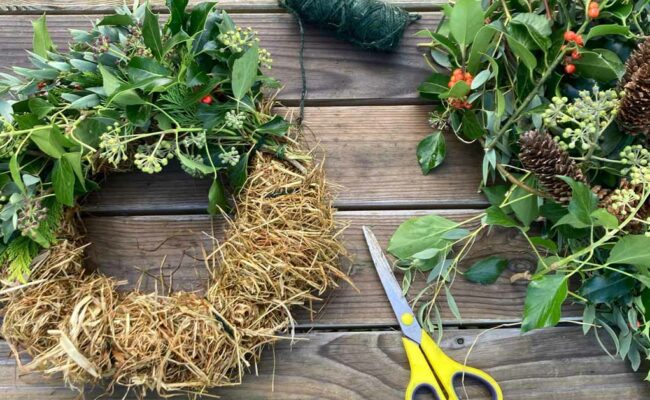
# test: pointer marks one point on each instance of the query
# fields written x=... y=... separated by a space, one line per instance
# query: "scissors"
x=431 y=368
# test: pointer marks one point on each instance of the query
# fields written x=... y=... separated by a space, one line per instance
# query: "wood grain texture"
x=550 y=364
x=369 y=152
x=80 y=6
x=155 y=246
x=337 y=71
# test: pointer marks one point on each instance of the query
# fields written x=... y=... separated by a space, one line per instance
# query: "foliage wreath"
x=132 y=94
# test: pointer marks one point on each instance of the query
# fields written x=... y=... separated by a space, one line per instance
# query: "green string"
x=370 y=24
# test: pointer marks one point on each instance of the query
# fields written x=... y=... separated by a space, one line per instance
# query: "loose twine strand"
x=369 y=24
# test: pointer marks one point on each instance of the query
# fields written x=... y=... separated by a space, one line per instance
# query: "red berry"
x=207 y=100
x=569 y=68
x=593 y=12
x=579 y=40
x=569 y=36
x=451 y=84
x=458 y=71
x=576 y=55
x=593 y=4
x=468 y=75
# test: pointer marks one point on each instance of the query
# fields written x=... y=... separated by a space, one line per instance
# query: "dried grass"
x=282 y=247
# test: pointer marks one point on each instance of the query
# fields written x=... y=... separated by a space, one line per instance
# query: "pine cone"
x=542 y=155
x=600 y=192
x=634 y=111
x=613 y=205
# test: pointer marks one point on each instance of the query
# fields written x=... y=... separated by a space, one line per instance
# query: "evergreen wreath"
x=130 y=94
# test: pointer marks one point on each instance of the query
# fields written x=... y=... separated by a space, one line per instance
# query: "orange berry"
x=468 y=106
x=451 y=84
x=576 y=55
x=593 y=13
x=579 y=40
x=593 y=4
x=469 y=81
x=569 y=36
x=569 y=68
x=468 y=75
x=458 y=71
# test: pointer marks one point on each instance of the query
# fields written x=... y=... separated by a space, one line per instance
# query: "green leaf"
x=601 y=289
x=524 y=204
x=46 y=142
x=602 y=217
x=418 y=234
x=277 y=126
x=195 y=165
x=40 y=107
x=451 y=302
x=434 y=85
x=496 y=216
x=217 y=201
x=74 y=159
x=583 y=200
x=116 y=20
x=545 y=243
x=472 y=128
x=459 y=90
x=110 y=81
x=177 y=18
x=244 y=72
x=42 y=42
x=63 y=182
x=128 y=97
x=238 y=174
x=495 y=194
x=431 y=152
x=522 y=52
x=487 y=270
x=83 y=65
x=151 y=33
x=481 y=44
x=543 y=305
x=608 y=29
x=600 y=64
x=85 y=102
x=631 y=249
x=14 y=170
x=465 y=21
x=198 y=16
x=536 y=26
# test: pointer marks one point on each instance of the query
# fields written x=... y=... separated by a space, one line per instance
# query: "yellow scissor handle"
x=446 y=369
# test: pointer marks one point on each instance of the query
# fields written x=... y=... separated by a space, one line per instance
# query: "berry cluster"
x=593 y=10
x=572 y=38
x=457 y=76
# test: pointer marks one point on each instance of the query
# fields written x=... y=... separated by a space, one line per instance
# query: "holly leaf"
x=217 y=201
x=244 y=72
x=601 y=289
x=543 y=305
x=41 y=42
x=116 y=20
x=600 y=64
x=151 y=33
x=486 y=271
x=431 y=152
x=177 y=18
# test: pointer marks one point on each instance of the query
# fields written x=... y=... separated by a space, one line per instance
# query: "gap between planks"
x=101 y=6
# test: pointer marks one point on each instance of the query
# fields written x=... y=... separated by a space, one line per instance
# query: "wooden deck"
x=364 y=111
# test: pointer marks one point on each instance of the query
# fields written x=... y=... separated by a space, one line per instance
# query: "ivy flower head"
x=637 y=161
x=30 y=216
x=197 y=140
x=151 y=158
x=235 y=120
x=8 y=143
x=231 y=157
x=238 y=40
x=113 y=148
x=624 y=200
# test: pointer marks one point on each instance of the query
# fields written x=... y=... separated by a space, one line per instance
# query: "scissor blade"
x=393 y=290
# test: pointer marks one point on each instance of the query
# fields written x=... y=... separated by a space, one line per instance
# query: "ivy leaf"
x=74 y=159
x=63 y=182
x=244 y=72
x=431 y=152
x=42 y=42
x=606 y=288
x=85 y=102
x=177 y=18
x=602 y=217
x=277 y=126
x=116 y=20
x=524 y=204
x=486 y=271
x=151 y=33
x=46 y=142
x=465 y=21
x=39 y=107
x=496 y=216
x=418 y=234
x=631 y=249
x=217 y=198
x=110 y=82
x=583 y=200
x=543 y=305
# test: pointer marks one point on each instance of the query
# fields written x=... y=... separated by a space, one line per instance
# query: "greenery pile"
x=544 y=88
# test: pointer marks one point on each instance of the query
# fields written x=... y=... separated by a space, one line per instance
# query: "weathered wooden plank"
x=78 y=6
x=549 y=364
x=336 y=70
x=369 y=151
x=164 y=244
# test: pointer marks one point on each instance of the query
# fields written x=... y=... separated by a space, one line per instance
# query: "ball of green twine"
x=371 y=24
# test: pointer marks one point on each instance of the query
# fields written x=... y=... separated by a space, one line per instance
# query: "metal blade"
x=411 y=329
